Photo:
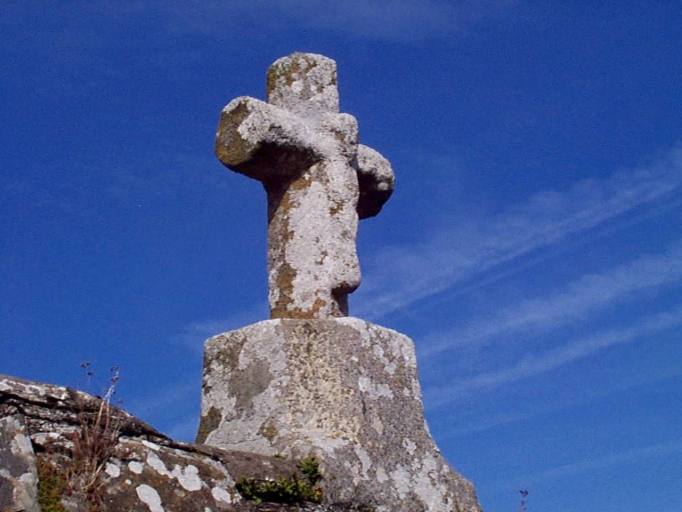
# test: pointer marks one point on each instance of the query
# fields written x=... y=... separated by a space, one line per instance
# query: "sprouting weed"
x=93 y=443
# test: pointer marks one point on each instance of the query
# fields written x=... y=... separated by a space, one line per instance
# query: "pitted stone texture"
x=319 y=181
x=341 y=389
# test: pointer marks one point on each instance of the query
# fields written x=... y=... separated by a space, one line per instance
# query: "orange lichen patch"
x=290 y=72
x=289 y=201
x=317 y=306
x=304 y=314
x=208 y=424
x=321 y=260
x=338 y=206
x=231 y=149
x=268 y=430
x=285 y=283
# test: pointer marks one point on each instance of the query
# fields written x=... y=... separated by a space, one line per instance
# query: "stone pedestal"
x=342 y=390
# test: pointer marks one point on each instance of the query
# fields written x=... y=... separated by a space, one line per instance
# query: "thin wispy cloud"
x=532 y=365
x=451 y=257
x=635 y=456
x=175 y=406
x=399 y=19
x=577 y=301
x=485 y=419
x=159 y=176
x=194 y=335
x=385 y=20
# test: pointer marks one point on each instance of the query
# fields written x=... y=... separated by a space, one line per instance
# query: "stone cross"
x=319 y=181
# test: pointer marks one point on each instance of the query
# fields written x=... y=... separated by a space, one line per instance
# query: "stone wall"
x=56 y=449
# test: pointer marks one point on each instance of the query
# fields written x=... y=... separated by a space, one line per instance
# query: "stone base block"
x=342 y=390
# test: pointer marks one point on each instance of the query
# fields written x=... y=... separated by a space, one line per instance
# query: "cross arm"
x=376 y=180
x=262 y=141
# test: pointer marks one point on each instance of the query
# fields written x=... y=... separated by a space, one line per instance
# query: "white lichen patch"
x=24 y=492
x=374 y=390
x=112 y=470
x=331 y=438
x=388 y=365
x=28 y=479
x=364 y=460
x=157 y=464
x=136 y=467
x=416 y=390
x=401 y=481
x=424 y=485
x=188 y=477
x=44 y=438
x=379 y=354
x=152 y=446
x=222 y=497
x=409 y=446
x=149 y=497
x=21 y=444
x=381 y=475
x=378 y=426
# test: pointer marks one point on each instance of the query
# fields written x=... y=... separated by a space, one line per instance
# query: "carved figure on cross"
x=319 y=182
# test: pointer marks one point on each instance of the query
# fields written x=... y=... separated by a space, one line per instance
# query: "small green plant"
x=51 y=487
x=286 y=490
x=310 y=467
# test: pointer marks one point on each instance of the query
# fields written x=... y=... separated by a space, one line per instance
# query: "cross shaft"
x=319 y=182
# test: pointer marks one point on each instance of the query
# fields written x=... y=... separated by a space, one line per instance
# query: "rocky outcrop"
x=340 y=389
x=62 y=450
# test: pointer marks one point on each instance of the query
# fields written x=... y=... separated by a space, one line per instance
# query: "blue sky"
x=532 y=248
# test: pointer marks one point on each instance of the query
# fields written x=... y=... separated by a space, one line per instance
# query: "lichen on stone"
x=306 y=155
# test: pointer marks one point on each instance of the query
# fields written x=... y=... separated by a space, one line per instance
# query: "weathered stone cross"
x=319 y=182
